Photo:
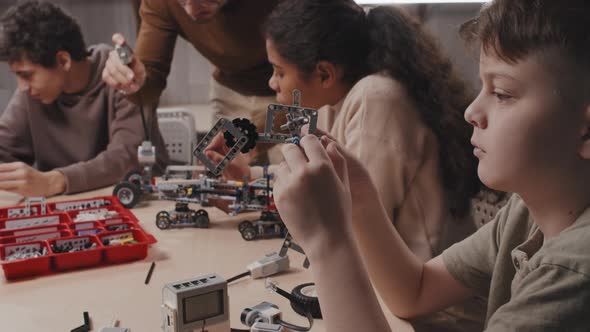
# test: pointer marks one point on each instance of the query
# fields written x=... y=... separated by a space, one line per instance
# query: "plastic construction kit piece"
x=199 y=303
x=265 y=327
x=182 y=216
x=270 y=225
x=30 y=200
x=125 y=53
x=264 y=312
x=53 y=242
x=241 y=136
x=289 y=244
x=149 y=274
x=239 y=139
x=84 y=327
x=239 y=196
x=270 y=264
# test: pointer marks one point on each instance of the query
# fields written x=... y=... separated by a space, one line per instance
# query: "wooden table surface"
x=56 y=302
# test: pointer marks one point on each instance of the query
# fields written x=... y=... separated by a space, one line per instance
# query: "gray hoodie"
x=91 y=136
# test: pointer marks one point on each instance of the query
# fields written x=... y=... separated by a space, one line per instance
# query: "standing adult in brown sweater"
x=228 y=33
x=63 y=130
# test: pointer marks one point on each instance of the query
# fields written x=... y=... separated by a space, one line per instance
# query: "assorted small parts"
x=29 y=209
x=96 y=214
x=241 y=136
x=182 y=216
x=21 y=212
x=25 y=252
x=270 y=225
x=119 y=241
x=89 y=231
x=81 y=204
x=72 y=245
x=117 y=227
x=59 y=244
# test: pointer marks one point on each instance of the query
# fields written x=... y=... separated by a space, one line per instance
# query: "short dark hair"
x=514 y=29
x=36 y=31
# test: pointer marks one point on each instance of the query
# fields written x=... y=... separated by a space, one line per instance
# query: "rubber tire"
x=130 y=188
x=202 y=219
x=243 y=225
x=249 y=233
x=165 y=217
x=133 y=176
x=301 y=302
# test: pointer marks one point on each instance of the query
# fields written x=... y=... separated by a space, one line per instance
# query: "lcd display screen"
x=204 y=306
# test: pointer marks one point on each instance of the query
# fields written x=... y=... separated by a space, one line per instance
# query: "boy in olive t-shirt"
x=531 y=135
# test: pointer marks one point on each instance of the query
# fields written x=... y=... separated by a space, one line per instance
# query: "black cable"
x=296 y=327
x=283 y=293
x=145 y=128
x=239 y=276
x=238 y=330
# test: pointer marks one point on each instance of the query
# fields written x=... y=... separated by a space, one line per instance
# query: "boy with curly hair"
x=64 y=130
x=532 y=137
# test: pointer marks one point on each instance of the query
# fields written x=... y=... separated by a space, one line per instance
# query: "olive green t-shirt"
x=532 y=283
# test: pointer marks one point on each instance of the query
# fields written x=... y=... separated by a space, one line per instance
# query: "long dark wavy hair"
x=386 y=39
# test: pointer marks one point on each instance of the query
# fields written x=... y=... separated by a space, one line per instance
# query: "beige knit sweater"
x=378 y=122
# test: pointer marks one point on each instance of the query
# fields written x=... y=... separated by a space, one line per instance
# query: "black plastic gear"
x=245 y=127
x=302 y=304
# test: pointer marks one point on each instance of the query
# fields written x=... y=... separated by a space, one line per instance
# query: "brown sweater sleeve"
x=15 y=136
x=120 y=156
x=155 y=48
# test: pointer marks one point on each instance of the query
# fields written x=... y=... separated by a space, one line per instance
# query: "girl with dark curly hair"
x=387 y=93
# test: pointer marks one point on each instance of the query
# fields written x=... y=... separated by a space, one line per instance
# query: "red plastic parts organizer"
x=100 y=226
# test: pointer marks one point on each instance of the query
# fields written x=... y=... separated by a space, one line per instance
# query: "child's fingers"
x=9 y=167
x=294 y=157
x=318 y=132
x=11 y=185
x=282 y=172
x=118 y=39
x=313 y=149
x=217 y=144
x=214 y=156
x=338 y=161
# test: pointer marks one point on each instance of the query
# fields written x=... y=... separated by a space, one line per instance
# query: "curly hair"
x=390 y=41
x=36 y=31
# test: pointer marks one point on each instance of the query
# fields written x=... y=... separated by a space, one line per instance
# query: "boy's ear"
x=329 y=74
x=64 y=60
x=585 y=134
